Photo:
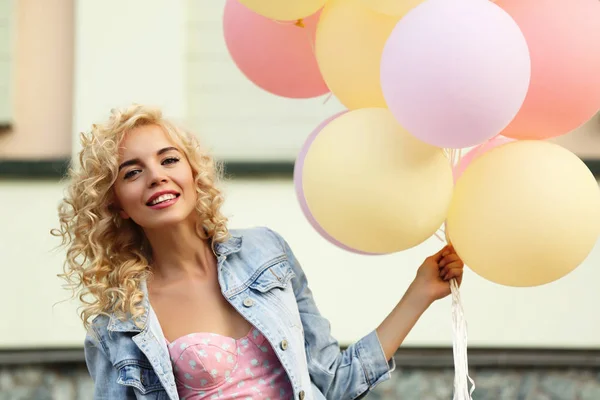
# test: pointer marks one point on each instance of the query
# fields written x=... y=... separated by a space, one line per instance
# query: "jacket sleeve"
x=102 y=371
x=348 y=374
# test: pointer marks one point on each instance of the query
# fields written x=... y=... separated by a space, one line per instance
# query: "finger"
x=450 y=258
x=453 y=272
x=443 y=272
x=455 y=265
x=438 y=256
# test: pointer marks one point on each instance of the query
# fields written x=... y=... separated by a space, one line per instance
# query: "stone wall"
x=72 y=382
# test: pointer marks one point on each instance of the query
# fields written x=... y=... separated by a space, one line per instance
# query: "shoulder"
x=260 y=249
x=99 y=324
x=97 y=333
x=260 y=238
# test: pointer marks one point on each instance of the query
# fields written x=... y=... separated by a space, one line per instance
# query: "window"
x=6 y=52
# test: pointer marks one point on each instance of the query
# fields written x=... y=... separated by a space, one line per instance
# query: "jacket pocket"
x=274 y=285
x=141 y=377
x=275 y=274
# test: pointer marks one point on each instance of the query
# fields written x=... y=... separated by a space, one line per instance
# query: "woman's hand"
x=433 y=276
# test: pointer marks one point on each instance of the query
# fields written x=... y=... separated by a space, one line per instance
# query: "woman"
x=184 y=307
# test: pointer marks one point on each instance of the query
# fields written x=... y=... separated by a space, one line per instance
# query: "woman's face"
x=155 y=186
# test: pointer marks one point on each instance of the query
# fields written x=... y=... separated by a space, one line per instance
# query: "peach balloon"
x=286 y=10
x=564 y=44
x=392 y=7
x=525 y=214
x=349 y=42
x=374 y=187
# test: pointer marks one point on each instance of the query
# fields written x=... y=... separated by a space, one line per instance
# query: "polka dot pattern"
x=211 y=366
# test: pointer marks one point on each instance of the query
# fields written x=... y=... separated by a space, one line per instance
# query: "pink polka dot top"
x=211 y=366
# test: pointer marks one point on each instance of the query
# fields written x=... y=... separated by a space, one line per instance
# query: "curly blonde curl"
x=108 y=257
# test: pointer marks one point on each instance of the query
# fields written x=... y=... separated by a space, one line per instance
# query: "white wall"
x=127 y=52
x=355 y=292
x=134 y=51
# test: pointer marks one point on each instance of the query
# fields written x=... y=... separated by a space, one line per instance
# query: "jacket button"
x=301 y=395
x=284 y=345
x=248 y=302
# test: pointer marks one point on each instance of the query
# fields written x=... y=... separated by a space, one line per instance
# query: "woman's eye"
x=170 y=160
x=131 y=173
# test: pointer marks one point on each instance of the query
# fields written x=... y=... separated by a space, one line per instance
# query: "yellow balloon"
x=525 y=214
x=349 y=42
x=284 y=10
x=372 y=186
x=392 y=7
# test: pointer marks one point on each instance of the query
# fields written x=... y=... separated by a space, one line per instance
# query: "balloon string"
x=459 y=323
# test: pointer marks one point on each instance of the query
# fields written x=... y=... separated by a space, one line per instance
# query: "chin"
x=170 y=220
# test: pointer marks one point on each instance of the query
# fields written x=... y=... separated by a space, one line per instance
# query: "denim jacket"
x=262 y=279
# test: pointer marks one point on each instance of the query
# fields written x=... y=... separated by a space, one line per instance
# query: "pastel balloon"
x=476 y=152
x=298 y=167
x=392 y=7
x=374 y=187
x=455 y=73
x=348 y=46
x=286 y=10
x=525 y=214
x=277 y=57
x=564 y=42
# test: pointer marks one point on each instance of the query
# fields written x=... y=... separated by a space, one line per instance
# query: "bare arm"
x=430 y=284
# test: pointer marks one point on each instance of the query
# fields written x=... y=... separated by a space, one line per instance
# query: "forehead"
x=144 y=140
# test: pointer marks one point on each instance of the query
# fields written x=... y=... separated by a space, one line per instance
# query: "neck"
x=179 y=252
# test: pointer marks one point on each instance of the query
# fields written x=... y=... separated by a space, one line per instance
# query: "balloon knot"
x=300 y=23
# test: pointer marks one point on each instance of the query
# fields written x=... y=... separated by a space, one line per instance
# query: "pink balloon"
x=298 y=166
x=276 y=56
x=564 y=41
x=454 y=73
x=483 y=148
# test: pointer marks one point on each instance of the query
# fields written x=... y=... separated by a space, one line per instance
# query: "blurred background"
x=65 y=63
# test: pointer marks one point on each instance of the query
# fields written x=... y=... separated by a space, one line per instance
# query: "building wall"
x=138 y=51
x=41 y=71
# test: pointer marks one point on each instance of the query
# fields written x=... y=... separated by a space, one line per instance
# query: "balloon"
x=286 y=10
x=564 y=42
x=374 y=187
x=455 y=73
x=483 y=148
x=277 y=57
x=392 y=7
x=298 y=166
x=525 y=213
x=349 y=41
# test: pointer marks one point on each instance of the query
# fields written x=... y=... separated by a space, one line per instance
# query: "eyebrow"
x=137 y=160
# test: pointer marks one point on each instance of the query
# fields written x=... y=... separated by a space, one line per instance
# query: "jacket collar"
x=232 y=245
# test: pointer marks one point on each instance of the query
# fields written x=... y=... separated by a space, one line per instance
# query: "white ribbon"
x=459 y=325
x=459 y=347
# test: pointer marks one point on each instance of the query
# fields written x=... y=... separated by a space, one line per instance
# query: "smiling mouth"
x=162 y=199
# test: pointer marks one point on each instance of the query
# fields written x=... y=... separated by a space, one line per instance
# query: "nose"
x=156 y=177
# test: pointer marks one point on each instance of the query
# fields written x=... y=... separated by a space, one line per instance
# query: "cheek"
x=187 y=180
x=127 y=197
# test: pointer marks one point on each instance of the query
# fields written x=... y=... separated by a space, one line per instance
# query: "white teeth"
x=162 y=198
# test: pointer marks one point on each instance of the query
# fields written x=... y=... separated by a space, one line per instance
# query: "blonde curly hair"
x=108 y=257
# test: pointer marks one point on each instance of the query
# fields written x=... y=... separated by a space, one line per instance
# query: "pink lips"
x=164 y=204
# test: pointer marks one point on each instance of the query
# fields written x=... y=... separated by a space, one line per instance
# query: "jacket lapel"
x=151 y=341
